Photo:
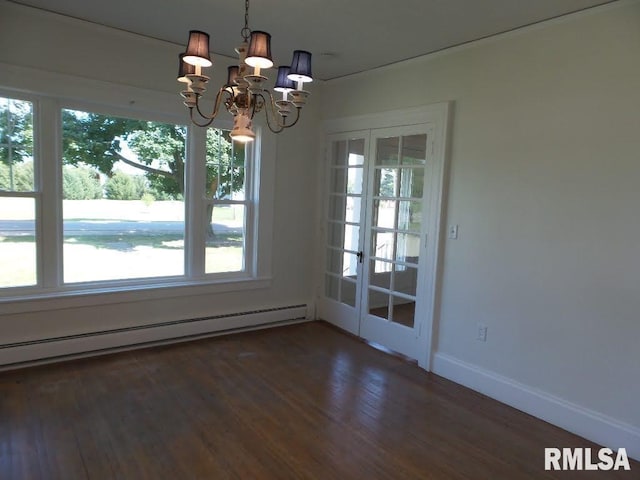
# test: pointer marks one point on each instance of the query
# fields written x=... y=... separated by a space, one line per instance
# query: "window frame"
x=47 y=151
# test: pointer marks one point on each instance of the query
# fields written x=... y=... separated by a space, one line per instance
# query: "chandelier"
x=245 y=94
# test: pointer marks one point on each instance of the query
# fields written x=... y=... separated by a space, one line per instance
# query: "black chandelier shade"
x=283 y=82
x=259 y=52
x=184 y=69
x=198 y=49
x=301 y=66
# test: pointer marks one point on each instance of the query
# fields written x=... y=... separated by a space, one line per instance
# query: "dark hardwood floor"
x=298 y=402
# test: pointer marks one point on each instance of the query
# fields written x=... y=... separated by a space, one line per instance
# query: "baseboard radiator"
x=46 y=350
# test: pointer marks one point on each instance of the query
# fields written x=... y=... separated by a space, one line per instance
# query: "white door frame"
x=437 y=116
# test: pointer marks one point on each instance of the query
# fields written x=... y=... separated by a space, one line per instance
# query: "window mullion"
x=48 y=178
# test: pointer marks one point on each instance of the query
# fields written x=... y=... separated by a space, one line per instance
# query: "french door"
x=377 y=280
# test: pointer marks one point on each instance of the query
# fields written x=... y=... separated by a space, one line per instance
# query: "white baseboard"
x=46 y=350
x=574 y=418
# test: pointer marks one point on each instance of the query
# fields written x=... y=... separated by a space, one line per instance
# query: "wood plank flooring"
x=297 y=402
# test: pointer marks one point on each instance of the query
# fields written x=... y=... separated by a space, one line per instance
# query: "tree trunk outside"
x=210 y=235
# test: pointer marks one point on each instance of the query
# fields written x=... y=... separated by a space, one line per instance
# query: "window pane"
x=408 y=248
x=414 y=149
x=225 y=166
x=339 y=180
x=354 y=180
x=334 y=235
x=382 y=243
x=16 y=145
x=349 y=265
x=336 y=207
x=356 y=151
x=380 y=273
x=339 y=153
x=378 y=304
x=387 y=151
x=348 y=292
x=385 y=182
x=123 y=188
x=409 y=216
x=384 y=213
x=17 y=242
x=411 y=182
x=403 y=311
x=334 y=261
x=353 y=209
x=405 y=280
x=122 y=239
x=331 y=287
x=351 y=237
x=225 y=243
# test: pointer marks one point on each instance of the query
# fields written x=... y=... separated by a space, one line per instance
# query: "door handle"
x=360 y=256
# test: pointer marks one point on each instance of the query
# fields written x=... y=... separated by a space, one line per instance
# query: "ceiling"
x=345 y=36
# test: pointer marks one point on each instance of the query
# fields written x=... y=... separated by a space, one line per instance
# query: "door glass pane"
x=356 y=151
x=385 y=182
x=17 y=242
x=380 y=273
x=387 y=151
x=334 y=261
x=414 y=149
x=353 y=209
x=331 y=287
x=338 y=180
x=16 y=145
x=379 y=304
x=350 y=265
x=336 y=207
x=339 y=154
x=384 y=213
x=348 y=292
x=354 y=181
x=351 y=237
x=403 y=311
x=405 y=280
x=407 y=248
x=409 y=216
x=411 y=182
x=382 y=244
x=334 y=234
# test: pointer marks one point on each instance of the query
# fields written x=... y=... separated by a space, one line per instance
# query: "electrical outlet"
x=482 y=332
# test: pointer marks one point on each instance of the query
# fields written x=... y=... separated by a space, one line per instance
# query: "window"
x=226 y=204
x=18 y=195
x=118 y=215
x=123 y=198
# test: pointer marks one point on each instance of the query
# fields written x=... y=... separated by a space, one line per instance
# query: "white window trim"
x=52 y=92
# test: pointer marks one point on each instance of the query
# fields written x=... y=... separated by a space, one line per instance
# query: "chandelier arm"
x=193 y=120
x=216 y=105
x=271 y=115
x=271 y=112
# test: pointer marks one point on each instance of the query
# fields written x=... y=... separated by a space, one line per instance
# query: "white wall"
x=544 y=184
x=50 y=43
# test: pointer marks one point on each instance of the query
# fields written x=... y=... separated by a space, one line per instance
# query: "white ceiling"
x=345 y=36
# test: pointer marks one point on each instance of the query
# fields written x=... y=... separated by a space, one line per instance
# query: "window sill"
x=71 y=297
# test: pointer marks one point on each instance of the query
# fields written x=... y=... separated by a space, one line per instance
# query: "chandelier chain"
x=246 y=31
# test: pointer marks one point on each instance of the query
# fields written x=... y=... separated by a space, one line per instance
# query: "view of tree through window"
x=17 y=195
x=226 y=203
x=123 y=199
